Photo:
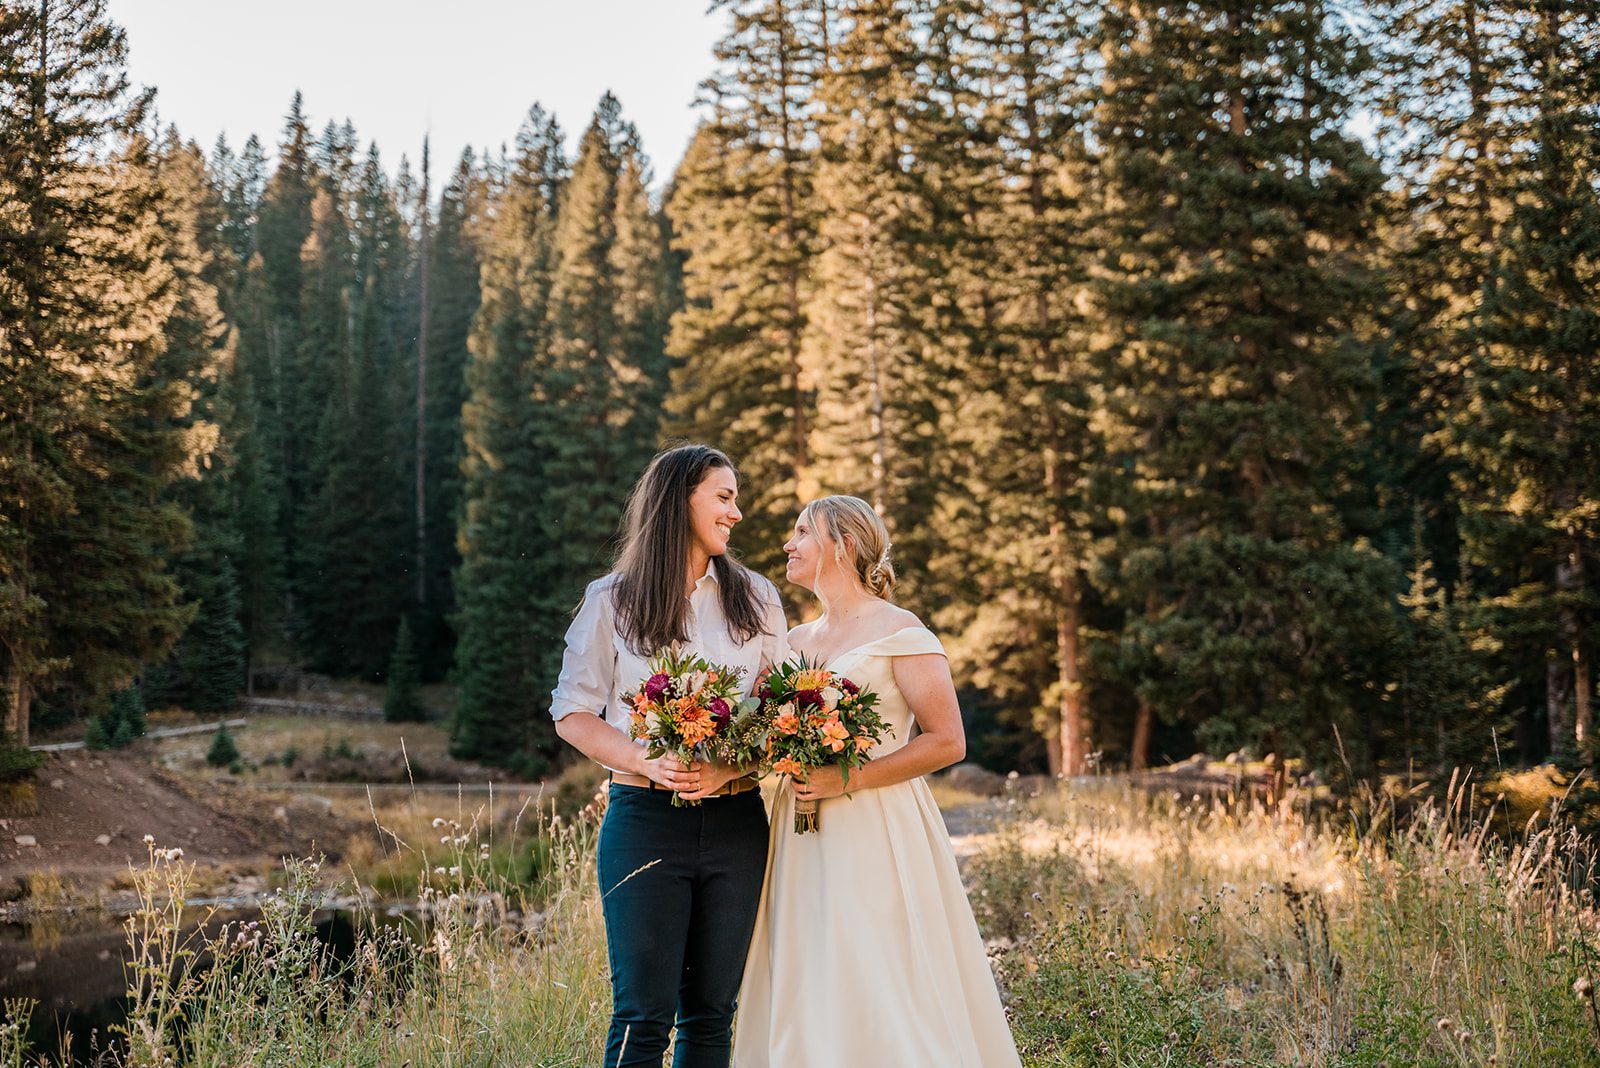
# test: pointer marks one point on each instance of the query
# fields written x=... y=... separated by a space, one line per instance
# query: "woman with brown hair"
x=680 y=885
x=865 y=953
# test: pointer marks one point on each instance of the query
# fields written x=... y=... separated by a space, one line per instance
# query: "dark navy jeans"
x=680 y=887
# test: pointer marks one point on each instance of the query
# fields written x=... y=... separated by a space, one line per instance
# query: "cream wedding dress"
x=865 y=953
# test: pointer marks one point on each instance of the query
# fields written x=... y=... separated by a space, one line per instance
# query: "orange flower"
x=834 y=735
x=640 y=702
x=814 y=679
x=788 y=723
x=789 y=766
x=863 y=743
x=696 y=725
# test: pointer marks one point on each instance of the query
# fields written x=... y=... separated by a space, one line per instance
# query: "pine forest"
x=1228 y=374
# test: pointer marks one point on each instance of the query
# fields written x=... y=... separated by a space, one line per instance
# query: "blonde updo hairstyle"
x=860 y=540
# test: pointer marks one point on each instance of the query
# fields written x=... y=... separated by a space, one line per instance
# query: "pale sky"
x=467 y=70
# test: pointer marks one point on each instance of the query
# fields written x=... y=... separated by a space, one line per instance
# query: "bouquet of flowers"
x=684 y=706
x=808 y=718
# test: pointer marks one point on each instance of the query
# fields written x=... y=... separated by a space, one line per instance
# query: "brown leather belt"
x=737 y=786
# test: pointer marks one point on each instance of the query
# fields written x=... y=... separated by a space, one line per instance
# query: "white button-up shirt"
x=598 y=667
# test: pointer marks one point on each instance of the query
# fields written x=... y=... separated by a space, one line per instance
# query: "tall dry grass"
x=1141 y=931
x=1127 y=929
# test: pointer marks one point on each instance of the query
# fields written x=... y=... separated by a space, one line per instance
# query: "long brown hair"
x=653 y=565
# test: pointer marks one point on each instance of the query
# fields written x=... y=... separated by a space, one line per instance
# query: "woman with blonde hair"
x=865 y=952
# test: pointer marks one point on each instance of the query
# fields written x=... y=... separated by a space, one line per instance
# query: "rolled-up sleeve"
x=589 y=665
x=775 y=642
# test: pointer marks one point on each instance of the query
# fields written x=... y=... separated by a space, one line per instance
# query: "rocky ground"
x=92 y=811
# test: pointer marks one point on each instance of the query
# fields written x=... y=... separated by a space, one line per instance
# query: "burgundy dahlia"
x=657 y=686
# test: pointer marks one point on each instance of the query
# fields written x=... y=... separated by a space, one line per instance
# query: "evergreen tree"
x=223 y=752
x=93 y=427
x=128 y=710
x=597 y=382
x=206 y=669
x=95 y=737
x=1236 y=225
x=1028 y=528
x=744 y=216
x=500 y=710
x=1525 y=434
x=401 y=702
x=288 y=397
x=887 y=332
x=247 y=392
x=454 y=265
x=123 y=735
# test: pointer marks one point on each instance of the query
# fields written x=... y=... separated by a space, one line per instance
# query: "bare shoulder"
x=893 y=618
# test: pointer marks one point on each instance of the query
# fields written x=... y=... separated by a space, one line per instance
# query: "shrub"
x=223 y=753
x=17 y=762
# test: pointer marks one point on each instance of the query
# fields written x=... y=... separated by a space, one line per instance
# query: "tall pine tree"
x=744 y=216
x=503 y=572
x=94 y=425
x=1237 y=230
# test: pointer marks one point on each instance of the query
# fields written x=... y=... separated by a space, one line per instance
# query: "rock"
x=26 y=840
x=103 y=840
x=58 y=784
x=975 y=779
x=1032 y=785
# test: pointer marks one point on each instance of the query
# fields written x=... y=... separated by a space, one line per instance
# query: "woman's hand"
x=713 y=777
x=825 y=782
x=670 y=771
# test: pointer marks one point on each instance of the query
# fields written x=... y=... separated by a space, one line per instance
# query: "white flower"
x=831 y=696
x=149 y=839
x=438 y=821
x=652 y=724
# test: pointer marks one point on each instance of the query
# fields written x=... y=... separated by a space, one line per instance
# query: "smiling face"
x=713 y=511
x=806 y=549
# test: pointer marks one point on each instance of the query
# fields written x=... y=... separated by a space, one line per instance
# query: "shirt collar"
x=710 y=575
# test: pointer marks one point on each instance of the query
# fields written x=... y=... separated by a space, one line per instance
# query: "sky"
x=464 y=70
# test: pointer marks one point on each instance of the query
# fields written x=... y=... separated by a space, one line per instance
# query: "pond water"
x=72 y=967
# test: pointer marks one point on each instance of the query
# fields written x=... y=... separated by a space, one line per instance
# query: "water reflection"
x=73 y=967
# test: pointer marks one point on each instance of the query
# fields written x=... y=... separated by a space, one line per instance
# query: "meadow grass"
x=1126 y=928
x=1143 y=930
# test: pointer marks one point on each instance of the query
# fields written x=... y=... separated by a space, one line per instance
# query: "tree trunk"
x=1143 y=727
x=1568 y=676
x=422 y=392
x=791 y=242
x=1074 y=733
x=19 y=695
